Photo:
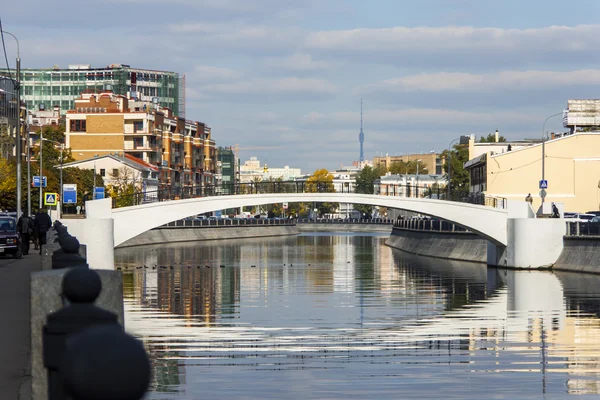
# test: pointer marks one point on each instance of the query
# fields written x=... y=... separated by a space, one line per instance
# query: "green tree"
x=410 y=167
x=459 y=177
x=491 y=138
x=365 y=184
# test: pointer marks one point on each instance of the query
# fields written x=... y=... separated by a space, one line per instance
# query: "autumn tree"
x=322 y=181
x=124 y=185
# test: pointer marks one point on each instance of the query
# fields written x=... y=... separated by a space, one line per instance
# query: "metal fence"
x=578 y=228
x=429 y=225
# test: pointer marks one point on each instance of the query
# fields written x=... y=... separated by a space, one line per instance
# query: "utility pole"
x=19 y=144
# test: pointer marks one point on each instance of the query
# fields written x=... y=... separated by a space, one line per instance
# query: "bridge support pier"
x=96 y=231
x=532 y=243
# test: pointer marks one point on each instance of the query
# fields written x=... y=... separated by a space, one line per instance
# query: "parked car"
x=595 y=219
x=10 y=240
x=596 y=213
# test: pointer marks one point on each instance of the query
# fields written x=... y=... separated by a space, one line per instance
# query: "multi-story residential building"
x=108 y=123
x=227 y=170
x=42 y=89
x=252 y=171
x=571 y=169
x=432 y=161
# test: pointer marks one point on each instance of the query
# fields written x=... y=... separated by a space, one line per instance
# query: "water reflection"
x=330 y=316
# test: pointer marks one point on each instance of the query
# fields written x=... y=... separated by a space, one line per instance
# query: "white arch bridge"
x=131 y=221
x=513 y=232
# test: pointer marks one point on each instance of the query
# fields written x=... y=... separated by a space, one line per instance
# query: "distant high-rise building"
x=361 y=136
x=42 y=89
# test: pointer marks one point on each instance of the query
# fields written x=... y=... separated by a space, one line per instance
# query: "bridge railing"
x=368 y=221
x=190 y=192
x=580 y=228
x=429 y=225
x=190 y=223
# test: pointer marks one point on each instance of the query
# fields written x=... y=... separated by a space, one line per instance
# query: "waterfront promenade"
x=15 y=335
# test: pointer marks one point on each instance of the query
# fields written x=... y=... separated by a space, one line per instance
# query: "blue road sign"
x=543 y=184
x=98 y=193
x=69 y=193
x=50 y=199
x=36 y=181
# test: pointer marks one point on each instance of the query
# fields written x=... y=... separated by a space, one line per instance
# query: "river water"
x=342 y=316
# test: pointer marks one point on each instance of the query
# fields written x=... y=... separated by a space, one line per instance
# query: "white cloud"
x=450 y=44
x=210 y=73
x=405 y=117
x=298 y=62
x=501 y=81
x=259 y=86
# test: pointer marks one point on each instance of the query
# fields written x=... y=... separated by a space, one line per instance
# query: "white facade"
x=143 y=176
x=252 y=171
x=406 y=185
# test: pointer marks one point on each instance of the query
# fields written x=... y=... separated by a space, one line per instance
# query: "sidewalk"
x=15 y=335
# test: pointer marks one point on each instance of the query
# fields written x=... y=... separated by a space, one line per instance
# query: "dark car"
x=10 y=240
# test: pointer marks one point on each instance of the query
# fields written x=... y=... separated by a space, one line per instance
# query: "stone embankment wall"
x=580 y=254
x=464 y=246
x=195 y=234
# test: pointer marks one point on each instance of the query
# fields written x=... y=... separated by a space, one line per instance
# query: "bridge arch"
x=491 y=223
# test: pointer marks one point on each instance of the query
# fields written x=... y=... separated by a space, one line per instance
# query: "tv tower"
x=361 y=136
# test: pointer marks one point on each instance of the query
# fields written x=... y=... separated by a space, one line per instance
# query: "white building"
x=410 y=185
x=115 y=169
x=252 y=171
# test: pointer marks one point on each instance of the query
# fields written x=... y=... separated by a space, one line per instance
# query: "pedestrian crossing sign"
x=50 y=199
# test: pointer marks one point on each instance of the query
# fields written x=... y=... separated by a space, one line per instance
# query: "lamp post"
x=544 y=150
x=18 y=149
x=417 y=191
x=41 y=165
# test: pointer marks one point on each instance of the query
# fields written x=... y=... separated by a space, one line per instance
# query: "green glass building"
x=43 y=89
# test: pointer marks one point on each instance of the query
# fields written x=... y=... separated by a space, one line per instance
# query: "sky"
x=284 y=79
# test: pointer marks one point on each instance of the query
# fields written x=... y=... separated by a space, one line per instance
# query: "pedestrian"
x=25 y=227
x=42 y=224
x=555 y=212
x=529 y=199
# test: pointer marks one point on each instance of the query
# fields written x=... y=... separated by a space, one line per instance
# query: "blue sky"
x=284 y=78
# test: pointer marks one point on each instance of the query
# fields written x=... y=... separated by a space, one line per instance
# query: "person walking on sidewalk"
x=25 y=227
x=42 y=225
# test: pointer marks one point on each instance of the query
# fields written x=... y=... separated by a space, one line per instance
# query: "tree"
x=322 y=181
x=491 y=138
x=365 y=184
x=410 y=167
x=7 y=142
x=459 y=177
x=8 y=184
x=124 y=186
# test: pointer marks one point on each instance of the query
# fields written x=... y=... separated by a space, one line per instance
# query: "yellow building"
x=107 y=123
x=572 y=169
x=432 y=161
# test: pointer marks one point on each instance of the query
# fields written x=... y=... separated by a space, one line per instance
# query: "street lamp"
x=544 y=152
x=18 y=149
x=418 y=161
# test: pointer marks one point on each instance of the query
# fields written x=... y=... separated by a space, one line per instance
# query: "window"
x=78 y=125
x=115 y=172
x=138 y=126
x=102 y=172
